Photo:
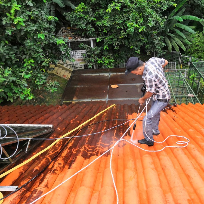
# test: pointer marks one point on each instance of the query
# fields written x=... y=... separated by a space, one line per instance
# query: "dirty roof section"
x=95 y=86
x=147 y=175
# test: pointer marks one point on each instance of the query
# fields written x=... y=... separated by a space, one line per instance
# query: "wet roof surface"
x=95 y=85
x=173 y=175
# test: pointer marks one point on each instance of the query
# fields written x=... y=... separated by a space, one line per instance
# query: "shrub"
x=197 y=46
x=28 y=44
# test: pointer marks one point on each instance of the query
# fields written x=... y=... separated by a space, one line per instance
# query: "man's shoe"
x=142 y=141
x=147 y=142
x=156 y=133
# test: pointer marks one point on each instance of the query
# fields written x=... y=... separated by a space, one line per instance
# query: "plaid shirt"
x=155 y=80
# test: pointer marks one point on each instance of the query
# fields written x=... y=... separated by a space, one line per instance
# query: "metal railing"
x=196 y=79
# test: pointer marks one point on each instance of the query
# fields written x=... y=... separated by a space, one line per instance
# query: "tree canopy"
x=177 y=29
x=122 y=28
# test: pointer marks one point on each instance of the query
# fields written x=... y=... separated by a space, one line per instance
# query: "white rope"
x=121 y=139
x=4 y=138
x=71 y=176
x=185 y=143
x=29 y=138
x=74 y=136
x=112 y=155
x=86 y=166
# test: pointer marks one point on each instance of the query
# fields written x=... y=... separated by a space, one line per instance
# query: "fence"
x=196 y=79
x=181 y=91
x=192 y=75
x=182 y=61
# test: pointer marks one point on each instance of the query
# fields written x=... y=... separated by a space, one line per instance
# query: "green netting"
x=189 y=86
x=181 y=92
x=196 y=79
x=200 y=67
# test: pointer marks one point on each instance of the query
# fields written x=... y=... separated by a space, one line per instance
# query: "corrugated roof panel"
x=96 y=85
x=163 y=173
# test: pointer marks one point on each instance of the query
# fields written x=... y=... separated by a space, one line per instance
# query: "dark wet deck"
x=95 y=85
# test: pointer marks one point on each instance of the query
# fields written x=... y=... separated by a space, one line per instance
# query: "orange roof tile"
x=173 y=175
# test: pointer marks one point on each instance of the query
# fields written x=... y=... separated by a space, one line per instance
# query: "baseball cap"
x=131 y=64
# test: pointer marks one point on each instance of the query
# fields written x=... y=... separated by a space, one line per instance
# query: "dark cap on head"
x=132 y=64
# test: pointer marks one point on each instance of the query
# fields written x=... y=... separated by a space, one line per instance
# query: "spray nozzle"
x=134 y=126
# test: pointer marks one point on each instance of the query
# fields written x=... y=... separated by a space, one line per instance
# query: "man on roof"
x=156 y=88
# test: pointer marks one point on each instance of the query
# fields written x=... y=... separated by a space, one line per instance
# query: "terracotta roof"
x=173 y=175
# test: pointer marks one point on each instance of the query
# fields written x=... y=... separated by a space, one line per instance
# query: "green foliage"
x=27 y=46
x=13 y=85
x=52 y=86
x=93 y=57
x=122 y=28
x=63 y=3
x=177 y=31
x=195 y=8
x=197 y=84
x=197 y=46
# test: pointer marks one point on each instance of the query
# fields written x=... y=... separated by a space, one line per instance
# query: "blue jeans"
x=151 y=120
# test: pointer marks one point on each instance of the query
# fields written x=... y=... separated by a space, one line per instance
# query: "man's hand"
x=146 y=96
x=141 y=101
x=165 y=63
